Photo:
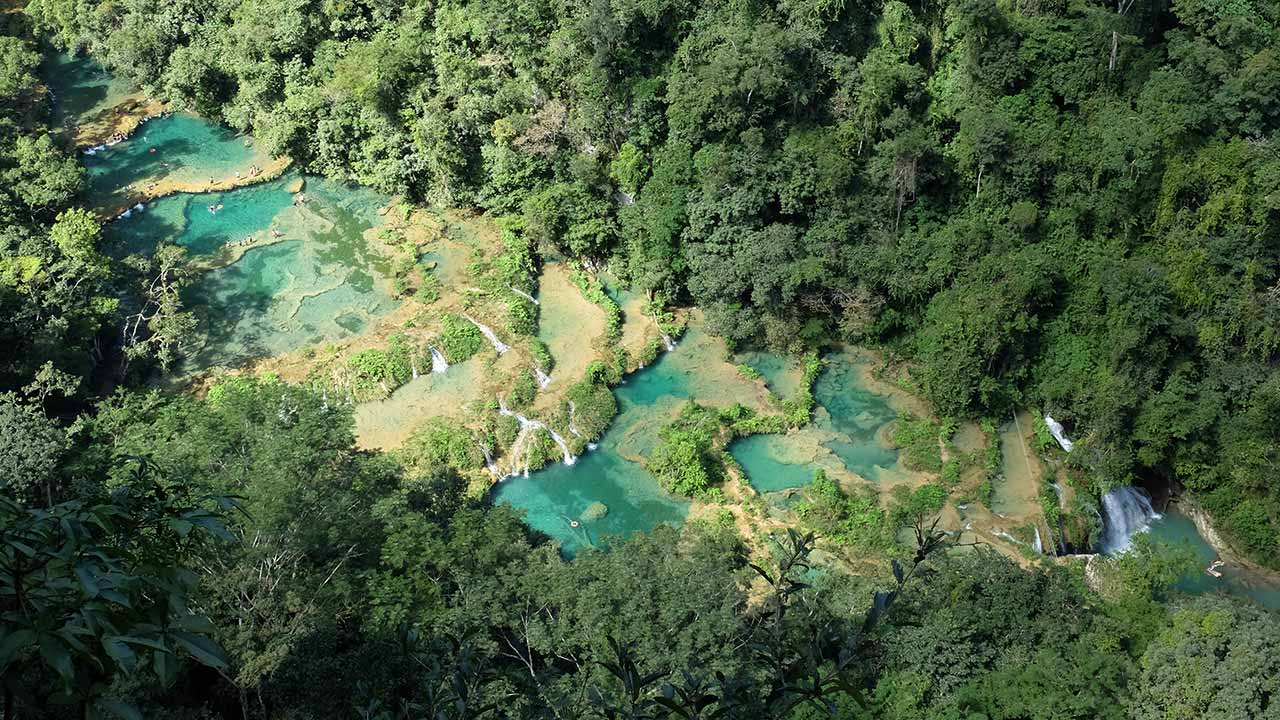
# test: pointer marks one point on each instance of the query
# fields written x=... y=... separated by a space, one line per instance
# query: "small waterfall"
x=489 y=463
x=543 y=378
x=1126 y=512
x=573 y=427
x=524 y=295
x=438 y=363
x=413 y=364
x=1055 y=429
x=1038 y=545
x=666 y=340
x=527 y=424
x=498 y=345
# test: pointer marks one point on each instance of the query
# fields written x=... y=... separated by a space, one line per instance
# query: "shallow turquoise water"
x=759 y=457
x=847 y=409
x=1176 y=528
x=186 y=220
x=183 y=148
x=319 y=283
x=81 y=87
x=612 y=473
x=856 y=413
x=782 y=374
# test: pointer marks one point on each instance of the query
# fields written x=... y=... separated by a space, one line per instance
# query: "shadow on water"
x=315 y=282
x=1175 y=528
x=82 y=89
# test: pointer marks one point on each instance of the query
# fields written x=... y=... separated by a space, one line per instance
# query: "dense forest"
x=1067 y=205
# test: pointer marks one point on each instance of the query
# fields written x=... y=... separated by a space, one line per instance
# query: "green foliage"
x=920 y=440
x=373 y=367
x=542 y=354
x=986 y=638
x=100 y=591
x=1043 y=438
x=459 y=338
x=1149 y=569
x=594 y=290
x=629 y=168
x=687 y=459
x=1211 y=661
x=851 y=520
x=522 y=316
x=1037 y=204
x=593 y=407
x=799 y=408
x=522 y=390
x=650 y=352
x=31 y=447
x=517 y=265
x=440 y=443
x=916 y=505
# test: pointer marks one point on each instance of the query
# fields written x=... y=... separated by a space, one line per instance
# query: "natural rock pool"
x=308 y=276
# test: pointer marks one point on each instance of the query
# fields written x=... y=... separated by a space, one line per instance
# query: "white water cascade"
x=438 y=363
x=543 y=378
x=413 y=364
x=1055 y=429
x=498 y=345
x=1038 y=544
x=489 y=463
x=530 y=425
x=524 y=294
x=573 y=427
x=1126 y=512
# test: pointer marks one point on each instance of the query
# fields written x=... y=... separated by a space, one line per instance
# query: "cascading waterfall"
x=1055 y=429
x=488 y=461
x=666 y=340
x=413 y=364
x=498 y=345
x=573 y=427
x=1126 y=512
x=524 y=294
x=1038 y=544
x=543 y=378
x=438 y=363
x=532 y=425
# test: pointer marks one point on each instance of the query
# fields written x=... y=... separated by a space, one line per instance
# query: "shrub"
x=848 y=520
x=686 y=460
x=459 y=338
x=522 y=316
x=442 y=442
x=918 y=440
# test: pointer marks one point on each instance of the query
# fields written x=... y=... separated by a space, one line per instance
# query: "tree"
x=1213 y=660
x=31 y=447
x=95 y=591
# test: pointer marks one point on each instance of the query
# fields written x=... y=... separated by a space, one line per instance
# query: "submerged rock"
x=595 y=511
x=297 y=185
